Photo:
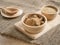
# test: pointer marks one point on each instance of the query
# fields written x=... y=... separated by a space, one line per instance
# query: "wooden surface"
x=27 y=6
x=11 y=41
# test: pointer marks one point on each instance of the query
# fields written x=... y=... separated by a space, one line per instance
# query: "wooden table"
x=25 y=5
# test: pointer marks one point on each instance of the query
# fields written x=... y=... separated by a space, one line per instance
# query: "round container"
x=49 y=11
x=33 y=29
x=11 y=12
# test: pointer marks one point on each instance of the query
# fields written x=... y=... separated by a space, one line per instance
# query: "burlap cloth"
x=52 y=37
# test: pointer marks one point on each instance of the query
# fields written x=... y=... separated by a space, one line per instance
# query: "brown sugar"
x=34 y=20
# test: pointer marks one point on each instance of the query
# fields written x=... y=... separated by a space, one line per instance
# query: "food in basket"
x=34 y=20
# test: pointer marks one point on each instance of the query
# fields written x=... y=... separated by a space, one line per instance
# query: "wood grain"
x=28 y=6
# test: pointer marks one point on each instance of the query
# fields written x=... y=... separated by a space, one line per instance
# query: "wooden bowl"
x=33 y=29
x=10 y=10
x=49 y=11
